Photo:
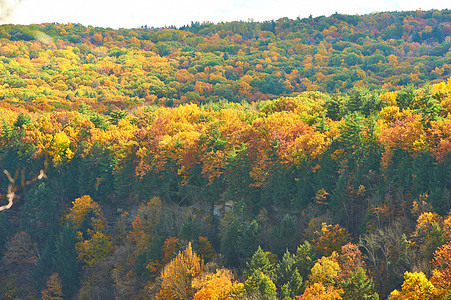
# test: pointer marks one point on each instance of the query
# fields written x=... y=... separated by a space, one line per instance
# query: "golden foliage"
x=86 y=212
x=317 y=291
x=408 y=135
x=98 y=247
x=425 y=222
x=326 y=271
x=415 y=286
x=53 y=290
x=205 y=249
x=217 y=286
x=330 y=238
x=177 y=276
x=169 y=248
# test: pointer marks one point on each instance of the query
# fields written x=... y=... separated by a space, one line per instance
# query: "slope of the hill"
x=123 y=194
x=331 y=182
x=59 y=65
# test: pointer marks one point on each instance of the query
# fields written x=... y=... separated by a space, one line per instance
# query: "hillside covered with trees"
x=305 y=159
x=64 y=64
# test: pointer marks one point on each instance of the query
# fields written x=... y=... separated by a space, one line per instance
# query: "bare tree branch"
x=13 y=189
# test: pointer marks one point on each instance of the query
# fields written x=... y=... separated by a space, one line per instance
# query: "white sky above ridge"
x=136 y=13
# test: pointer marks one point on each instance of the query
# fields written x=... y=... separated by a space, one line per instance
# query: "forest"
x=286 y=159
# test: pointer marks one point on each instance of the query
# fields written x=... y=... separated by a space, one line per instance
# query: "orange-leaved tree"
x=217 y=286
x=53 y=290
x=317 y=291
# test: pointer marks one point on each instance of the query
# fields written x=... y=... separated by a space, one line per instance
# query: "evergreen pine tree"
x=249 y=241
x=65 y=260
x=288 y=278
x=259 y=263
x=358 y=286
x=305 y=259
x=229 y=243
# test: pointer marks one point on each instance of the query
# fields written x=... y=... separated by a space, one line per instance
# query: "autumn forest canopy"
x=286 y=159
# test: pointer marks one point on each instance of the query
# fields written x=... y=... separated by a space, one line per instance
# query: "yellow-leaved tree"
x=324 y=281
x=53 y=290
x=318 y=291
x=178 y=275
x=415 y=286
x=326 y=271
x=98 y=247
x=217 y=286
x=86 y=215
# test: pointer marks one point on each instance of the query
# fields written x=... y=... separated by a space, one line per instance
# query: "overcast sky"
x=136 y=13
